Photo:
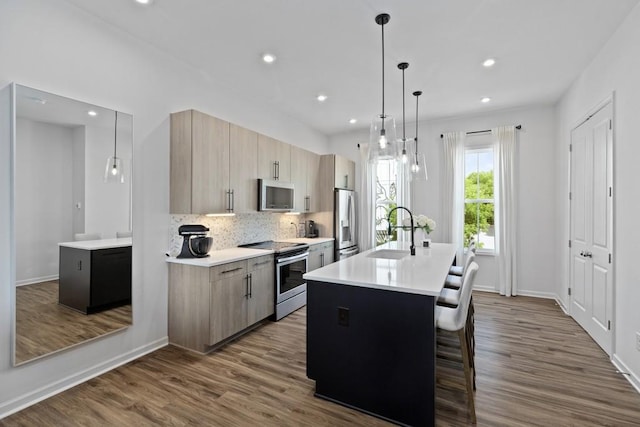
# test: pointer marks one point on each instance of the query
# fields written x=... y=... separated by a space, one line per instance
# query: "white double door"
x=591 y=286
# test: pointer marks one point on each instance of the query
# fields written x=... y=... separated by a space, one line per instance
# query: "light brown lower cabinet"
x=210 y=304
x=320 y=254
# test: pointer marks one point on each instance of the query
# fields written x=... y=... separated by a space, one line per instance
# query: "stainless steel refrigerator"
x=345 y=223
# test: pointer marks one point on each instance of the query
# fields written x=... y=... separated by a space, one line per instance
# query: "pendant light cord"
x=404 y=136
x=383 y=116
x=115 y=139
x=417 y=94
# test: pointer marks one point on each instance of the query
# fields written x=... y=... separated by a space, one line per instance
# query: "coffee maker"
x=311 y=229
x=196 y=243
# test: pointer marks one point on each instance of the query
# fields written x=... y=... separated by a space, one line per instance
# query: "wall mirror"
x=72 y=222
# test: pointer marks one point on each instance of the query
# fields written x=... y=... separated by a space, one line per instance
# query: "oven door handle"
x=293 y=258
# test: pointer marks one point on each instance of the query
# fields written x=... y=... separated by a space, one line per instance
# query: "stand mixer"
x=196 y=243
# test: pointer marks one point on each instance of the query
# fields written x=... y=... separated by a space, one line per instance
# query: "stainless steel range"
x=291 y=264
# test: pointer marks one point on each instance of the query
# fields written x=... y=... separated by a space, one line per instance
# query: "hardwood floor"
x=44 y=326
x=535 y=367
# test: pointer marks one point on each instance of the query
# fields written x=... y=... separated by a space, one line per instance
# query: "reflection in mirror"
x=72 y=265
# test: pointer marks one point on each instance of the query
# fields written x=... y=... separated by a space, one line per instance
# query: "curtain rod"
x=482 y=131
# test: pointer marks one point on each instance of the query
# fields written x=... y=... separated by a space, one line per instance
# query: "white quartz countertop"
x=423 y=273
x=91 y=245
x=222 y=256
x=309 y=240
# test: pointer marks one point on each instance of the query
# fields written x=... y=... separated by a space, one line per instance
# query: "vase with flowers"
x=422 y=224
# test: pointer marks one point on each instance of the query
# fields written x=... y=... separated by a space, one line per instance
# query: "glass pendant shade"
x=114 y=170
x=418 y=167
x=382 y=141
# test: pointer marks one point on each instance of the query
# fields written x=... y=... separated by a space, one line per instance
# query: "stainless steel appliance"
x=345 y=223
x=195 y=242
x=311 y=229
x=291 y=264
x=275 y=196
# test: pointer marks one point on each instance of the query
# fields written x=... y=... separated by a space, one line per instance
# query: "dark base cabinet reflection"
x=95 y=280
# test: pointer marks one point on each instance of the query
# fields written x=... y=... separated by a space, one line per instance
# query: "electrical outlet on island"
x=638 y=341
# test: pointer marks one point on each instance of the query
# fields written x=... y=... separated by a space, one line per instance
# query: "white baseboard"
x=562 y=306
x=61 y=385
x=628 y=374
x=535 y=294
x=33 y=280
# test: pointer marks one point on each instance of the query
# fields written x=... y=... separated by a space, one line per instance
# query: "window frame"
x=480 y=147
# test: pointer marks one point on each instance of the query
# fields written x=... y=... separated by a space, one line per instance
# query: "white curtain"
x=505 y=209
x=366 y=201
x=453 y=192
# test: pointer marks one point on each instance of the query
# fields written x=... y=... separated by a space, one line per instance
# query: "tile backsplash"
x=231 y=231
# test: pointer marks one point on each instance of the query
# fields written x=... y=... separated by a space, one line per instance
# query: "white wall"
x=53 y=46
x=106 y=205
x=44 y=176
x=536 y=189
x=615 y=69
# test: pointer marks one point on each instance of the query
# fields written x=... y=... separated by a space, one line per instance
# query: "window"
x=386 y=197
x=479 y=218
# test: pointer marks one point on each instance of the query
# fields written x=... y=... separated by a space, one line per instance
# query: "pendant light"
x=403 y=154
x=382 y=137
x=418 y=162
x=113 y=172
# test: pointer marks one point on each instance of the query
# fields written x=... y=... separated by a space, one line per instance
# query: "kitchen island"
x=371 y=330
x=95 y=275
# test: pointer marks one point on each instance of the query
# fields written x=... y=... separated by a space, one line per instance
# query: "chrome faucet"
x=413 y=229
x=296 y=226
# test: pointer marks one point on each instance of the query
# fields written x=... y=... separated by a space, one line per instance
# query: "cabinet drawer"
x=260 y=262
x=231 y=269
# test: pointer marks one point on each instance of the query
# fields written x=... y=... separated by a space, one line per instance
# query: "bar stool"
x=456 y=270
x=456 y=320
x=455 y=282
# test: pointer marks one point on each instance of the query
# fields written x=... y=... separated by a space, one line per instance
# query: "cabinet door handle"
x=322 y=259
x=307 y=203
x=229 y=208
x=346 y=181
x=231 y=271
x=250 y=285
x=262 y=263
x=276 y=170
x=233 y=200
x=246 y=292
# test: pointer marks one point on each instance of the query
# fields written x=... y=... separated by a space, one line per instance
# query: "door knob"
x=588 y=254
x=581 y=253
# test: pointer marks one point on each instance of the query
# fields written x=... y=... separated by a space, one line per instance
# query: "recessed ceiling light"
x=92 y=113
x=321 y=97
x=37 y=100
x=489 y=62
x=268 y=58
x=145 y=2
x=352 y=121
x=485 y=99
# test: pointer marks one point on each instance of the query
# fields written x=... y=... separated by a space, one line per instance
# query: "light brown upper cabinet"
x=335 y=172
x=213 y=165
x=305 y=170
x=243 y=144
x=274 y=159
x=344 y=173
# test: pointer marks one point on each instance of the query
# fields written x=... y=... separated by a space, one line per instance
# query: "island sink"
x=388 y=254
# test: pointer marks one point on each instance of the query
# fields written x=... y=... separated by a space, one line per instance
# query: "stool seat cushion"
x=449 y=297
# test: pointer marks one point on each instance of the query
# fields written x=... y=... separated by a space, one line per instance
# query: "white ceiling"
x=334 y=47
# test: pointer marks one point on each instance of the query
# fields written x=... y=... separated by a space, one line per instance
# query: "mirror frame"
x=12 y=132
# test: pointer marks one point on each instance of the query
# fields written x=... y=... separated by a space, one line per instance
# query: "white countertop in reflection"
x=221 y=256
x=423 y=273
x=91 y=245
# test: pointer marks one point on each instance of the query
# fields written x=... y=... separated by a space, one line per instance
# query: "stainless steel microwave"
x=275 y=196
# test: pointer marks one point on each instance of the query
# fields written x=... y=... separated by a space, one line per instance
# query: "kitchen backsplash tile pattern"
x=231 y=231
